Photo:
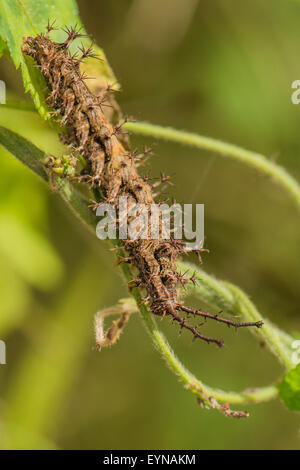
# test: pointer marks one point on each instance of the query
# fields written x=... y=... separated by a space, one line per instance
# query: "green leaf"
x=19 y=18
x=289 y=389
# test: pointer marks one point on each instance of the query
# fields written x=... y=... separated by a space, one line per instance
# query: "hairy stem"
x=255 y=160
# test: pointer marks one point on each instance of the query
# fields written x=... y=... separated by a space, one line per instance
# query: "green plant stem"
x=255 y=160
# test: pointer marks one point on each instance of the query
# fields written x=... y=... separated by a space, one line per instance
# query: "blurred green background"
x=219 y=68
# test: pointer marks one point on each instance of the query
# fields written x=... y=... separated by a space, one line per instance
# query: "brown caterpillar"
x=111 y=168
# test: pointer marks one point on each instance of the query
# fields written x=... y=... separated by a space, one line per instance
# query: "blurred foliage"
x=28 y=258
x=223 y=69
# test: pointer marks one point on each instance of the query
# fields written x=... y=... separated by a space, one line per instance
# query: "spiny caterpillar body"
x=111 y=169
